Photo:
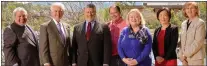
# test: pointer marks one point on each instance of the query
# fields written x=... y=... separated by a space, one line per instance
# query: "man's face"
x=57 y=13
x=115 y=15
x=20 y=18
x=89 y=14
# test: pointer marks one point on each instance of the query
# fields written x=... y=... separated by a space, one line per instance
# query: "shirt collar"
x=117 y=21
x=56 y=21
x=131 y=30
x=93 y=21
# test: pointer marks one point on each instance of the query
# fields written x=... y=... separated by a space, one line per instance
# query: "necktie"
x=61 y=33
x=88 y=33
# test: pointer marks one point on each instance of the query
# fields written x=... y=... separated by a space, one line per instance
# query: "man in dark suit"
x=55 y=39
x=91 y=41
x=20 y=42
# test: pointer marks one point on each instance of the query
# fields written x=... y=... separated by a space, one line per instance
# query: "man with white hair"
x=20 y=42
x=55 y=39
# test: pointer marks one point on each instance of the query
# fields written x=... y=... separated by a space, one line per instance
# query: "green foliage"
x=34 y=20
x=38 y=14
x=175 y=19
x=202 y=8
x=104 y=14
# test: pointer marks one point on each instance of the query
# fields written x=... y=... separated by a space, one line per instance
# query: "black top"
x=19 y=30
x=188 y=24
x=170 y=42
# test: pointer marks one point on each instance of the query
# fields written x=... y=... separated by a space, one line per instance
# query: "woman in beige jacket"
x=192 y=36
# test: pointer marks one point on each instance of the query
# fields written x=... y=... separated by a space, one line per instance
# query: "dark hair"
x=164 y=9
x=90 y=6
x=117 y=8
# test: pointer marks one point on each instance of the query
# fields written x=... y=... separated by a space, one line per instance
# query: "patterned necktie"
x=88 y=33
x=61 y=33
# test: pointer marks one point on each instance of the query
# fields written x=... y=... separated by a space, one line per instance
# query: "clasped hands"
x=130 y=61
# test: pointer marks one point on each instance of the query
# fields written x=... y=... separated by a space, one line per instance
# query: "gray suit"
x=53 y=49
x=20 y=46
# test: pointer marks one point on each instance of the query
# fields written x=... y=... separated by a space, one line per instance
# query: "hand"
x=16 y=64
x=133 y=62
x=185 y=63
x=126 y=60
x=74 y=64
x=182 y=58
x=47 y=64
x=105 y=65
x=159 y=59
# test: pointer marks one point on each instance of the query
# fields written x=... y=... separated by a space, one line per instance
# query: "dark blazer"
x=53 y=49
x=97 y=50
x=170 y=42
x=20 y=46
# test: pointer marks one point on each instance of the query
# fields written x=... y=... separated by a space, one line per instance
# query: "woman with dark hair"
x=165 y=40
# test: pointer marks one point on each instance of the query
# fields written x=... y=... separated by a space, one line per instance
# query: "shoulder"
x=125 y=30
x=200 y=22
x=147 y=29
x=66 y=24
x=108 y=23
x=29 y=26
x=79 y=25
x=46 y=23
x=9 y=34
x=157 y=28
x=174 y=26
x=184 y=22
x=8 y=29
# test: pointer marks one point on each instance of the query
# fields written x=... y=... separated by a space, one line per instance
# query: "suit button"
x=86 y=52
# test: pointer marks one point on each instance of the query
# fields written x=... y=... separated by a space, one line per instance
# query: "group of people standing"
x=120 y=42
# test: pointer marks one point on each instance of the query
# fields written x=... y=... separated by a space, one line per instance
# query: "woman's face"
x=163 y=17
x=134 y=19
x=190 y=11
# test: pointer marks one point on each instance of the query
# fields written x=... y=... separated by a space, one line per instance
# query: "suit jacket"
x=97 y=50
x=53 y=49
x=170 y=42
x=192 y=39
x=20 y=46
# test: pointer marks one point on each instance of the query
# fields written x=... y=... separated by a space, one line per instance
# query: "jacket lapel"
x=54 y=28
x=28 y=36
x=157 y=33
x=191 y=25
x=35 y=35
x=168 y=31
x=83 y=33
x=65 y=27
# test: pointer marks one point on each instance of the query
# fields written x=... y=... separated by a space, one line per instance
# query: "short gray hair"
x=58 y=4
x=19 y=9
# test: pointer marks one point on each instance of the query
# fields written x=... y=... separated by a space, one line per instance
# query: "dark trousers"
x=116 y=61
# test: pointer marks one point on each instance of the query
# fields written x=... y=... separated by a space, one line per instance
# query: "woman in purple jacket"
x=135 y=41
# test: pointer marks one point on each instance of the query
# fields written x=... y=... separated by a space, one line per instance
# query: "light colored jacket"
x=192 y=40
